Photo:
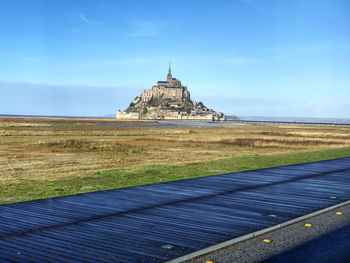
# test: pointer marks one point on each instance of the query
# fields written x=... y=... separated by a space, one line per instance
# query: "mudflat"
x=48 y=120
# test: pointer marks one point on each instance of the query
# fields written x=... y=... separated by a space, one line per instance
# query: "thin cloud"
x=88 y=21
x=29 y=59
x=122 y=62
x=145 y=28
x=237 y=61
x=310 y=48
x=222 y=60
x=28 y=84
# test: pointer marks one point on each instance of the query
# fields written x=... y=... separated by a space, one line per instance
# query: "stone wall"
x=146 y=95
x=166 y=93
x=208 y=117
x=130 y=115
x=172 y=93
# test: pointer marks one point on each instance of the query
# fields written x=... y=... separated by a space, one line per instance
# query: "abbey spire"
x=169 y=72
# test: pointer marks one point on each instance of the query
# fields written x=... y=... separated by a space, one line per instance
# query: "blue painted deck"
x=132 y=224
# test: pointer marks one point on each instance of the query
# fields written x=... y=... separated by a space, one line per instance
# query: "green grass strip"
x=140 y=175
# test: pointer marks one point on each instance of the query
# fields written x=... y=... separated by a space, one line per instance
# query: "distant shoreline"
x=34 y=119
x=57 y=116
x=290 y=122
x=70 y=120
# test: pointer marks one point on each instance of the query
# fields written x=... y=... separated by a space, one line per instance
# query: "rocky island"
x=168 y=100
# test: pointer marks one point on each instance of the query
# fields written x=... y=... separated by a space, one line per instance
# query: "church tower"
x=169 y=77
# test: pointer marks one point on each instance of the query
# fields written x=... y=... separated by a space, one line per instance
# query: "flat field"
x=39 y=159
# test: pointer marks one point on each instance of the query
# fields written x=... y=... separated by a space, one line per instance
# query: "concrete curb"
x=254 y=234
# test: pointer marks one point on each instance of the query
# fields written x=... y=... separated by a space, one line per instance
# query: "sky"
x=242 y=57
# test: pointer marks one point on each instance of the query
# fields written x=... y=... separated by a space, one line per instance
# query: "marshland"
x=39 y=159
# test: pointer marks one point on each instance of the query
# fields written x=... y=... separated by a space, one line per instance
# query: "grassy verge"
x=27 y=189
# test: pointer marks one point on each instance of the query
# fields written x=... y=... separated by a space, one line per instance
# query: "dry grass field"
x=38 y=159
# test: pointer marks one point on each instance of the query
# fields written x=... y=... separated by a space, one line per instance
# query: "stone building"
x=171 y=89
x=168 y=100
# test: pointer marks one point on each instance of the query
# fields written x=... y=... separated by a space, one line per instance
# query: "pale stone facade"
x=127 y=116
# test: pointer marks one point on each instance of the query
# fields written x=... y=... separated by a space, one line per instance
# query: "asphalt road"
x=326 y=240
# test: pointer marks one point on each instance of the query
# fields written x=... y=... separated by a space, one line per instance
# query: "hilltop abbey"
x=170 y=89
x=168 y=100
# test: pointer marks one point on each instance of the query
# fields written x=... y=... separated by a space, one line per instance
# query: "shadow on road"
x=333 y=247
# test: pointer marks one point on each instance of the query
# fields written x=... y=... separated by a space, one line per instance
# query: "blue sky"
x=244 y=57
